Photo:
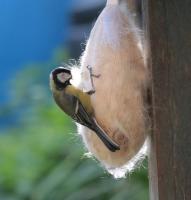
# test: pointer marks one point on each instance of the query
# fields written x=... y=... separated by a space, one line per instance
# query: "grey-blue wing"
x=82 y=117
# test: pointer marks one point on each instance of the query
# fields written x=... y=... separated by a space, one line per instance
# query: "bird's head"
x=60 y=78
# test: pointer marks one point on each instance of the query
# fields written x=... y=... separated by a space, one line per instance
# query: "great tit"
x=77 y=104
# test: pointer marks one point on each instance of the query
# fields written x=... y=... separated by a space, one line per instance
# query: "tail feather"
x=110 y=144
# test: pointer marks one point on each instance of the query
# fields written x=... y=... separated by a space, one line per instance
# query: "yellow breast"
x=82 y=96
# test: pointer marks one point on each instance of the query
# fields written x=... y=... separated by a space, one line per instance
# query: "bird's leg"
x=91 y=77
x=91 y=72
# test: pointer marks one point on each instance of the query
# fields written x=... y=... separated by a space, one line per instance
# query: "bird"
x=77 y=104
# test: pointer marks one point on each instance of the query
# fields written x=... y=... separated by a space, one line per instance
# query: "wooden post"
x=169 y=28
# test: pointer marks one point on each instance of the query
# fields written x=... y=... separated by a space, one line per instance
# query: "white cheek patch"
x=62 y=77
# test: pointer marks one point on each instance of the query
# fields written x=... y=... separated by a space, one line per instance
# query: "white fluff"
x=115 y=51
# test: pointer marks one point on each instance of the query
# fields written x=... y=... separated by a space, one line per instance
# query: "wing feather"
x=83 y=118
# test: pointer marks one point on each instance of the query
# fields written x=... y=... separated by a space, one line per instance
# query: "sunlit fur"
x=115 y=51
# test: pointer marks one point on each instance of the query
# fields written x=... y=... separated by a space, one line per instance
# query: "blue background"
x=29 y=32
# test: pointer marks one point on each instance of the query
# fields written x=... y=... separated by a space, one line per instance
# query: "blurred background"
x=41 y=156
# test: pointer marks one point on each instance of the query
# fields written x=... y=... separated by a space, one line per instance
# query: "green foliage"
x=42 y=157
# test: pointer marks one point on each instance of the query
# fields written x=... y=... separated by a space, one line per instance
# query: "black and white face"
x=61 y=77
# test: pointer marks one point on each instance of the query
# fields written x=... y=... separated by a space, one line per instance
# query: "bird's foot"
x=91 y=73
x=91 y=78
x=96 y=75
x=91 y=92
